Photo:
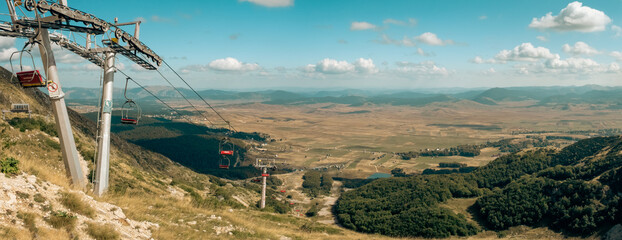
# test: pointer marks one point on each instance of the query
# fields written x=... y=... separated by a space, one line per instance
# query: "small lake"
x=379 y=175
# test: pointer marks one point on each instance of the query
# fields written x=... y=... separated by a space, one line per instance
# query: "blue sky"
x=283 y=44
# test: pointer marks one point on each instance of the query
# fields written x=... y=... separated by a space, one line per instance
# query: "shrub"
x=39 y=198
x=60 y=219
x=9 y=167
x=101 y=232
x=29 y=221
x=312 y=212
x=22 y=195
x=75 y=204
x=51 y=143
x=34 y=123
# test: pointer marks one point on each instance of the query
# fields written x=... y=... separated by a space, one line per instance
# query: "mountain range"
x=554 y=95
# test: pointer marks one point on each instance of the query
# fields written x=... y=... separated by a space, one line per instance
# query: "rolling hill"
x=149 y=196
x=542 y=96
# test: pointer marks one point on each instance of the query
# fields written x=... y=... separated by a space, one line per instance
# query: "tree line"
x=316 y=183
x=575 y=190
x=473 y=150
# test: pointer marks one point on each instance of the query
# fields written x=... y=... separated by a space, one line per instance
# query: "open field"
x=363 y=139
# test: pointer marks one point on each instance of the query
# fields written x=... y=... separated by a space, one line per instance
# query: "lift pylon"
x=264 y=164
x=63 y=124
x=57 y=15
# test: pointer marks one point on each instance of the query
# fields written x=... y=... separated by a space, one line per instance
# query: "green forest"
x=316 y=183
x=574 y=191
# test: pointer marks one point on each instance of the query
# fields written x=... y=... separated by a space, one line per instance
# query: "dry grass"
x=101 y=232
x=60 y=219
x=75 y=204
x=9 y=232
x=29 y=221
x=320 y=135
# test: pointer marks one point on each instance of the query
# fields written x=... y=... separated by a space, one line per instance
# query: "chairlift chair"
x=226 y=149
x=29 y=78
x=130 y=111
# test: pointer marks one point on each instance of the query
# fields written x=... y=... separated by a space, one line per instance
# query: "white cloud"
x=483 y=17
x=231 y=64
x=617 y=30
x=480 y=60
x=420 y=52
x=407 y=42
x=542 y=38
x=575 y=17
x=359 y=26
x=61 y=55
x=489 y=71
x=580 y=48
x=613 y=67
x=573 y=64
x=271 y=3
x=17 y=69
x=228 y=64
x=431 y=39
x=422 y=68
x=92 y=67
x=310 y=68
x=365 y=66
x=523 y=71
x=137 y=68
x=617 y=55
x=5 y=55
x=332 y=66
x=7 y=42
x=525 y=52
x=477 y=60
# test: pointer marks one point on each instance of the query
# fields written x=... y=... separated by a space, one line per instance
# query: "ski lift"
x=130 y=111
x=226 y=149
x=29 y=78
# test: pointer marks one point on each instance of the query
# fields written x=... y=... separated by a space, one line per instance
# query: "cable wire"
x=182 y=95
x=156 y=97
x=209 y=105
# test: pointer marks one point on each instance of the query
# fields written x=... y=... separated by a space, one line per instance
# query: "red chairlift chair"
x=29 y=78
x=130 y=111
x=226 y=149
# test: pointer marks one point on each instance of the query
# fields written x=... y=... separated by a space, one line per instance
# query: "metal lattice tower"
x=57 y=15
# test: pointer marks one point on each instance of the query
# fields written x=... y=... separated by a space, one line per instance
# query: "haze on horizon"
x=298 y=44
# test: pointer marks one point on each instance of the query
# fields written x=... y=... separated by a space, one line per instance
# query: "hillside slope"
x=149 y=195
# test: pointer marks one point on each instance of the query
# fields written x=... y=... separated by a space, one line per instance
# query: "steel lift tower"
x=264 y=164
x=57 y=15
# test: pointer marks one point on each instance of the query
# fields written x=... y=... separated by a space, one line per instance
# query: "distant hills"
x=542 y=96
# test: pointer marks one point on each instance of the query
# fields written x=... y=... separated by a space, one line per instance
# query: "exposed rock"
x=105 y=213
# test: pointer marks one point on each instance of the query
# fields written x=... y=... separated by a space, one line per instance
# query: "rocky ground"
x=26 y=194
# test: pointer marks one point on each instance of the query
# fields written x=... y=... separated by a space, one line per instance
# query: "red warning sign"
x=52 y=87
